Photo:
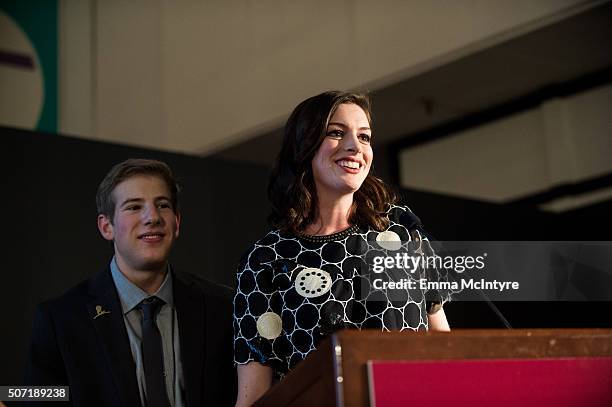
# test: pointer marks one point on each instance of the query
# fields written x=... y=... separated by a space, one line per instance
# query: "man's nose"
x=153 y=215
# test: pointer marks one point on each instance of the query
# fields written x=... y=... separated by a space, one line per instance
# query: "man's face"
x=144 y=226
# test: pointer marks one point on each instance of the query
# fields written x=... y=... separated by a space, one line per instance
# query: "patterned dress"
x=294 y=290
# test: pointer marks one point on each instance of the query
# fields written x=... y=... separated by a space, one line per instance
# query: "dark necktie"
x=153 y=354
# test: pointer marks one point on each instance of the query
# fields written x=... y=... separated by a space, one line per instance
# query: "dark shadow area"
x=451 y=218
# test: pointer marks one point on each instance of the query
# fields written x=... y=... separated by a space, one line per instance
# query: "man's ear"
x=105 y=227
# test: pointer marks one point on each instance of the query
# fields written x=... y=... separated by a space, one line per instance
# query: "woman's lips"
x=349 y=166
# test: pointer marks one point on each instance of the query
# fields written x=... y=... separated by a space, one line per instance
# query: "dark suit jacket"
x=93 y=356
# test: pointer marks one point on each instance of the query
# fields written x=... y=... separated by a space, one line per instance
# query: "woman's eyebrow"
x=345 y=126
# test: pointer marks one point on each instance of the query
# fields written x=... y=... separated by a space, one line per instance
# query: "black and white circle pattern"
x=312 y=282
x=291 y=292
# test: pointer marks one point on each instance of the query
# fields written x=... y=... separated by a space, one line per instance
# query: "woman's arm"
x=438 y=322
x=254 y=379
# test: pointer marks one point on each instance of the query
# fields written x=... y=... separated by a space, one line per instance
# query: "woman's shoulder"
x=271 y=237
x=262 y=249
x=403 y=215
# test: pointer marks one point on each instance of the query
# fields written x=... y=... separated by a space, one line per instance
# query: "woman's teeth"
x=349 y=164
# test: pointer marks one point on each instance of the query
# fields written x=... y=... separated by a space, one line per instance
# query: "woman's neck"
x=332 y=216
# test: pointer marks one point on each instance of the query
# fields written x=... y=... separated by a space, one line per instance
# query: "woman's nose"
x=351 y=142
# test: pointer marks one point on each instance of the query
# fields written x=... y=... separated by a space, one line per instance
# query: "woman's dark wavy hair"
x=291 y=188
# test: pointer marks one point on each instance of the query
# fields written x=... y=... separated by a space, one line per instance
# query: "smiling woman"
x=310 y=275
x=343 y=159
x=321 y=132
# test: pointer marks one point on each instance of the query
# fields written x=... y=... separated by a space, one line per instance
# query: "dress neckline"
x=329 y=238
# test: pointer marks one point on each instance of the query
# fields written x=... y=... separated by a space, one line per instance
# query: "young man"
x=138 y=333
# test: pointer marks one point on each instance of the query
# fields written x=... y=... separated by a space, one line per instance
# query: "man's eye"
x=335 y=134
x=164 y=205
x=133 y=207
x=366 y=138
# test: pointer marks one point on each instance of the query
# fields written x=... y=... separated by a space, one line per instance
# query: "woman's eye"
x=335 y=133
x=366 y=138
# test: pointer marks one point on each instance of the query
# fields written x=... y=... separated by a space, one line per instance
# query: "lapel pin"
x=100 y=311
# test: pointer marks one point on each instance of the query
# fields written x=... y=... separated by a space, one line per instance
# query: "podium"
x=560 y=367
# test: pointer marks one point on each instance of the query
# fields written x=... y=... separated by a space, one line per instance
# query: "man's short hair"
x=130 y=168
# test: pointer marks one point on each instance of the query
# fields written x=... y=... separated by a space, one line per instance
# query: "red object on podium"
x=518 y=367
x=563 y=382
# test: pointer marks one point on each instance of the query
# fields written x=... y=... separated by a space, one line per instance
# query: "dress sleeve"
x=257 y=321
x=426 y=245
x=434 y=273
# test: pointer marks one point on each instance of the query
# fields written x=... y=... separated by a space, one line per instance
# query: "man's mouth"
x=151 y=237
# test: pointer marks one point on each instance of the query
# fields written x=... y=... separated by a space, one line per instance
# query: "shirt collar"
x=131 y=295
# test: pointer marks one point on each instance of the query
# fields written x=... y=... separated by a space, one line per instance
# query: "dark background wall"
x=457 y=219
x=51 y=241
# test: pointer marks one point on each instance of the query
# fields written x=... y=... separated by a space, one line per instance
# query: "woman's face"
x=343 y=160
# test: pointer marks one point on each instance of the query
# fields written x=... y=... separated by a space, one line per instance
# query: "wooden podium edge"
x=359 y=346
x=331 y=368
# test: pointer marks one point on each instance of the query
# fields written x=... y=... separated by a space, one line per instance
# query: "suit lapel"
x=107 y=318
x=190 y=310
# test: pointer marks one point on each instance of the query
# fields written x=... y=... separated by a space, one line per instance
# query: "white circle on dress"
x=269 y=325
x=389 y=240
x=312 y=282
